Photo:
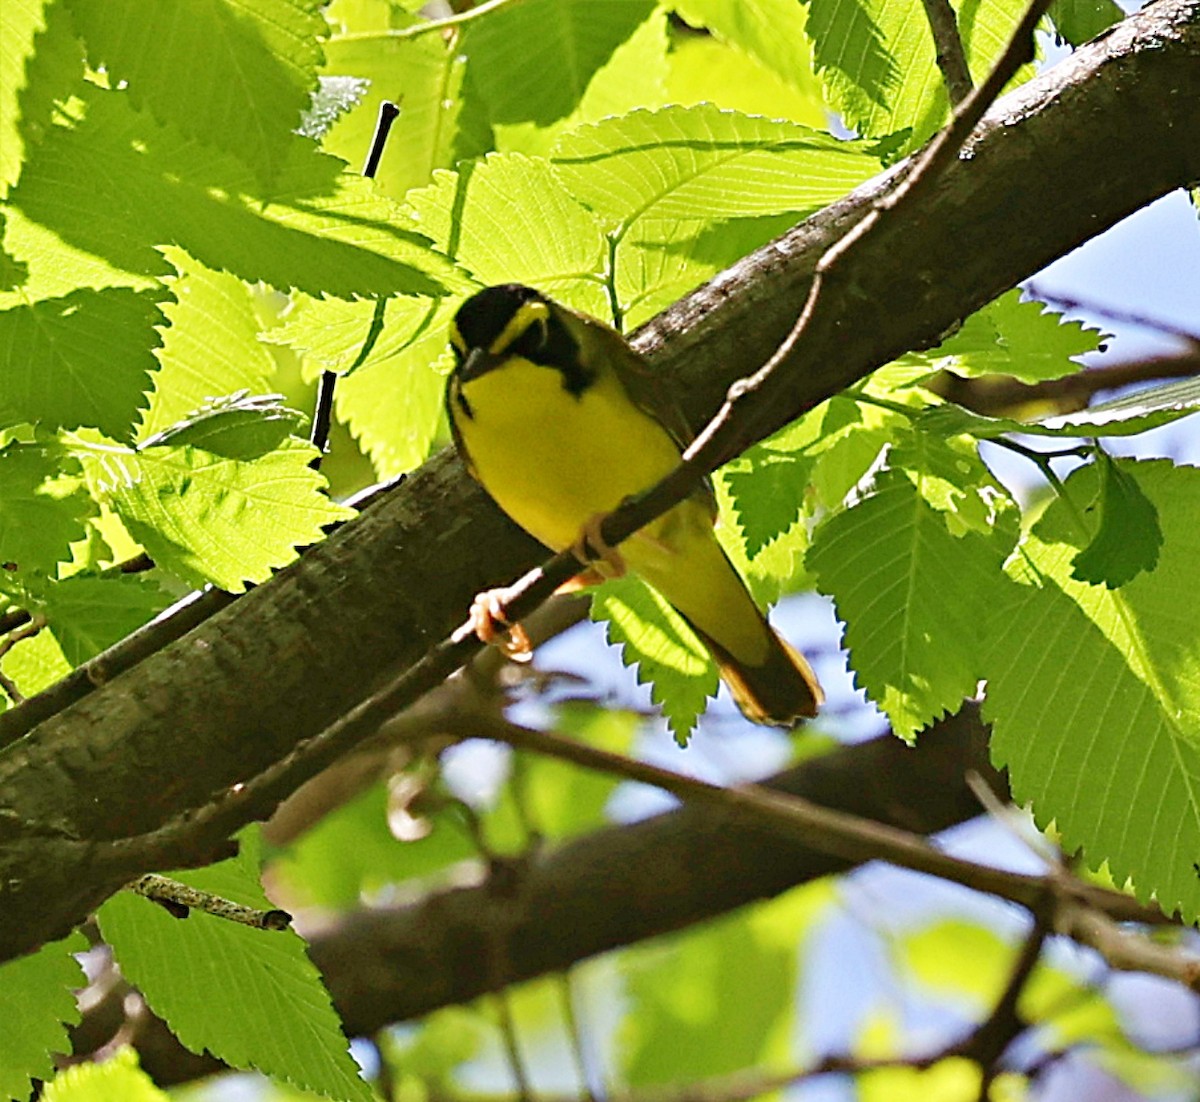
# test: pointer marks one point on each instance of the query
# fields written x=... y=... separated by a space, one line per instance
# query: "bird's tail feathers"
x=778 y=692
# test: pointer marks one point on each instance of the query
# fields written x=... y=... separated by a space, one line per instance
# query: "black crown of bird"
x=560 y=420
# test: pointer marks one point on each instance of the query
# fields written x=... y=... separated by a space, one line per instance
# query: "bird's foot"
x=592 y=549
x=489 y=621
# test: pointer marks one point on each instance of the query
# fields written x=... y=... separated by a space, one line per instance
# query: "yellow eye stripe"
x=526 y=315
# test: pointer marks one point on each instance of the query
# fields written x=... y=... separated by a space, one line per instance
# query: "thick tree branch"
x=104 y=790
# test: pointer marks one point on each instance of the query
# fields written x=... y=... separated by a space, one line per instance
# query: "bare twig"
x=32 y=626
x=1126 y=950
x=949 y=54
x=824 y=829
x=988 y=1042
x=179 y=899
x=1000 y=395
x=1116 y=314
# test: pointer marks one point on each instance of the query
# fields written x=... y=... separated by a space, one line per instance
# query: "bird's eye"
x=533 y=340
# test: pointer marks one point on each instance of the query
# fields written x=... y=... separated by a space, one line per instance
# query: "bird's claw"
x=492 y=627
x=592 y=548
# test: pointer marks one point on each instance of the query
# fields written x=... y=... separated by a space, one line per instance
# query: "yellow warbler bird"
x=560 y=420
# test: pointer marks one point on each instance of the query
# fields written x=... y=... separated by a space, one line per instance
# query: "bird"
x=560 y=420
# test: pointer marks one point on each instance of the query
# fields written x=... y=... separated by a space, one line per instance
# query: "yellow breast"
x=551 y=459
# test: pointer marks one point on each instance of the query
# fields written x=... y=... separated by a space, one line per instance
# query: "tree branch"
x=948 y=50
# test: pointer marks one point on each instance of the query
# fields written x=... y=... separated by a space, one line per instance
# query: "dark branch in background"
x=323 y=413
x=987 y=1043
x=1069 y=304
x=1002 y=395
x=616 y=887
x=109 y=787
x=949 y=54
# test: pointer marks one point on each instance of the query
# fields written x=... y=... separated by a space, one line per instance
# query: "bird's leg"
x=487 y=611
x=591 y=549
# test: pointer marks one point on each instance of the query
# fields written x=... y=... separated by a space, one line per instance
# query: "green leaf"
x=37 y=1000
x=206 y=517
x=88 y=613
x=769 y=482
x=768 y=489
x=210 y=348
x=876 y=59
x=562 y=800
x=112 y=182
x=1129 y=537
x=234 y=74
x=770 y=31
x=703 y=164
x=720 y=998
x=44 y=506
x=1126 y=416
x=392 y=401
x=84 y=359
x=44 y=266
x=1129 y=414
x=351 y=853
x=437 y=126
x=117 y=1079
x=704 y=69
x=534 y=61
x=240 y=426
x=508 y=218
x=658 y=262
x=848 y=444
x=249 y=996
x=23 y=21
x=41 y=61
x=655 y=638
x=1096 y=712
x=1079 y=21
x=914 y=586
x=634 y=76
x=35 y=663
x=1023 y=339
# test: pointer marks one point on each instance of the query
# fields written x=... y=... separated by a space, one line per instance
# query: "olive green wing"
x=603 y=344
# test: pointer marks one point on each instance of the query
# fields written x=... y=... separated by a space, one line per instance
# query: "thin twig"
x=180 y=898
x=948 y=46
x=1124 y=949
x=30 y=628
x=433 y=26
x=512 y=1048
x=1114 y=313
x=988 y=1042
x=1001 y=395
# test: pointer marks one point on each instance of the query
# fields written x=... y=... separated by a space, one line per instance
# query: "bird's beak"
x=479 y=361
